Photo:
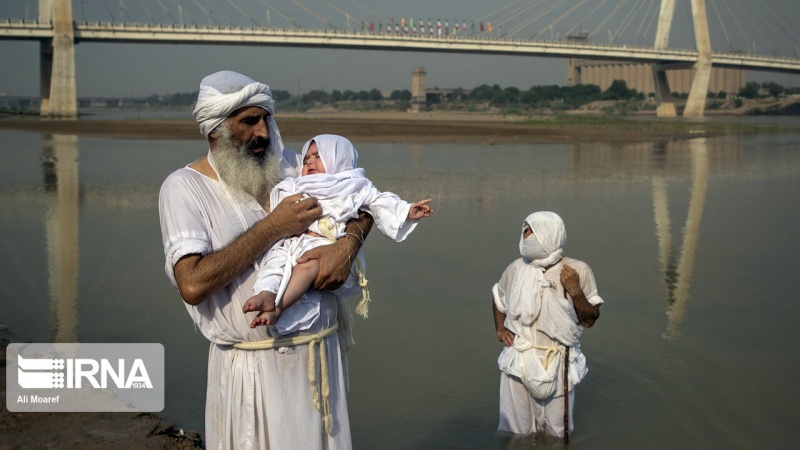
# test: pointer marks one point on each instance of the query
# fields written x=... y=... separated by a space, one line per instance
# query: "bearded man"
x=215 y=226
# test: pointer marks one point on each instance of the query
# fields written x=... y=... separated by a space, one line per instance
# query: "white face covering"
x=531 y=248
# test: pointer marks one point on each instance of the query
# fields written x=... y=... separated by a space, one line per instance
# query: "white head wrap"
x=224 y=92
x=545 y=246
x=532 y=297
x=336 y=152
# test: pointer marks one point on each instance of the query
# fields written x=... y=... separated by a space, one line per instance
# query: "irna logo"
x=85 y=377
x=46 y=373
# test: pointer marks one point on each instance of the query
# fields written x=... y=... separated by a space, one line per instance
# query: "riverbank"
x=393 y=127
x=86 y=431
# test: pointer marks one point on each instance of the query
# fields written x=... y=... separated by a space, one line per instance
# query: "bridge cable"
x=308 y=10
x=166 y=11
x=345 y=14
x=608 y=17
x=207 y=12
x=564 y=15
x=650 y=24
x=590 y=14
x=535 y=17
x=777 y=18
x=754 y=25
x=113 y=19
x=380 y=17
x=722 y=24
x=124 y=11
x=496 y=11
x=647 y=23
x=736 y=22
x=772 y=28
x=247 y=16
x=513 y=15
x=626 y=21
x=291 y=20
x=147 y=11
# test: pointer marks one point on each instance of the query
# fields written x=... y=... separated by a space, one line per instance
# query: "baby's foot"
x=259 y=302
x=266 y=318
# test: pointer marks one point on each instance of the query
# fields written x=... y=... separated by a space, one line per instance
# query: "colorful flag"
x=490 y=26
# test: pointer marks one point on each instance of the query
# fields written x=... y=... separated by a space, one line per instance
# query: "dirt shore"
x=428 y=127
x=86 y=431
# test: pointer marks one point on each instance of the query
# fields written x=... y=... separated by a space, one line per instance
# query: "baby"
x=330 y=175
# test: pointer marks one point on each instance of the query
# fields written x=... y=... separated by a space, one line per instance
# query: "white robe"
x=342 y=195
x=256 y=399
x=527 y=387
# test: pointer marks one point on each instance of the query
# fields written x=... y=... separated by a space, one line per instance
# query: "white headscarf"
x=224 y=92
x=336 y=152
x=533 y=298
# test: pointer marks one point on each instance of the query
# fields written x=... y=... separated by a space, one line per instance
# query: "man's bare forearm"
x=198 y=276
x=587 y=313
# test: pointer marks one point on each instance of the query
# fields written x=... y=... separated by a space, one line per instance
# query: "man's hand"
x=505 y=336
x=334 y=265
x=587 y=313
x=294 y=214
x=571 y=281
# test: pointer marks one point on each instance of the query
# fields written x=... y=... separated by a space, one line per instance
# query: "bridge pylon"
x=695 y=104
x=57 y=61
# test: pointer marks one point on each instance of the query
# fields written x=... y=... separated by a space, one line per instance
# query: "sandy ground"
x=86 y=431
x=428 y=127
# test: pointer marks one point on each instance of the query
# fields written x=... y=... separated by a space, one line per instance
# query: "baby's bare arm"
x=420 y=209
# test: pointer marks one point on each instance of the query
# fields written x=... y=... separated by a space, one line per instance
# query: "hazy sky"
x=766 y=26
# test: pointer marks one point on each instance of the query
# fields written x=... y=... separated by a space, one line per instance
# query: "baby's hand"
x=420 y=209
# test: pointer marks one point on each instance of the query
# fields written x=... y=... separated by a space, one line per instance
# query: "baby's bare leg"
x=302 y=279
x=263 y=301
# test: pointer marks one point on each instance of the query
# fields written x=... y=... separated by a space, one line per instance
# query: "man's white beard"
x=240 y=170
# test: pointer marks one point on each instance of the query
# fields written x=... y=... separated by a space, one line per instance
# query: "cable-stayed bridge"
x=637 y=31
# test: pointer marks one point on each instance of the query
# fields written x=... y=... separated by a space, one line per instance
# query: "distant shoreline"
x=426 y=127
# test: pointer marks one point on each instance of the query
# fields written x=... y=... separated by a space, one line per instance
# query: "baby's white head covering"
x=545 y=246
x=336 y=152
x=224 y=92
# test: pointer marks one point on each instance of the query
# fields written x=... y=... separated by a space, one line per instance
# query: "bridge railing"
x=380 y=36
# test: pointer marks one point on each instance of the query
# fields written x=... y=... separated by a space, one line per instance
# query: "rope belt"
x=312 y=340
x=549 y=354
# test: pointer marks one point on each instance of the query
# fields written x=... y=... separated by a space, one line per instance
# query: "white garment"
x=522 y=362
x=198 y=216
x=341 y=196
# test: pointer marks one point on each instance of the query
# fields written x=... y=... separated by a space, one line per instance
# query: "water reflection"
x=60 y=167
x=678 y=278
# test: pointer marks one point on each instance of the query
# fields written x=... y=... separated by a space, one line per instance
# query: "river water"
x=694 y=246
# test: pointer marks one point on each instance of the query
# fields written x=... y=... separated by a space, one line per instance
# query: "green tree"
x=403 y=95
x=375 y=95
x=750 y=90
x=281 y=96
x=618 y=91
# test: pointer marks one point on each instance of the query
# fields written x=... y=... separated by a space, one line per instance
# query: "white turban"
x=224 y=92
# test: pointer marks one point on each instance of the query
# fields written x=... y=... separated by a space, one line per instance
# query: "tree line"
x=481 y=97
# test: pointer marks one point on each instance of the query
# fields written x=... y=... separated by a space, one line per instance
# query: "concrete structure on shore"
x=419 y=101
x=640 y=76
